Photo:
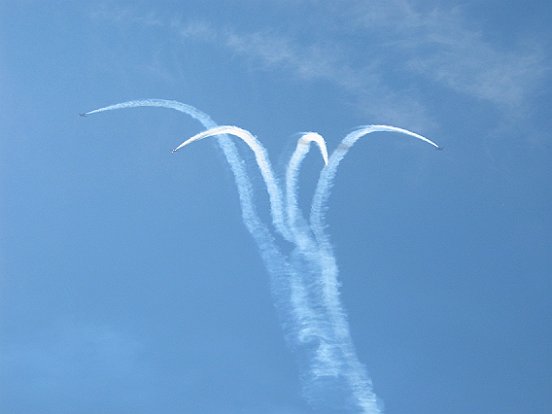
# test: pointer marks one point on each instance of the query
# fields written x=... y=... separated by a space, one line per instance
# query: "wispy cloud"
x=435 y=46
x=315 y=61
x=363 y=47
x=445 y=46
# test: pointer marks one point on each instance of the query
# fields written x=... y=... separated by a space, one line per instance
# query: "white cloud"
x=317 y=61
x=356 y=44
x=445 y=46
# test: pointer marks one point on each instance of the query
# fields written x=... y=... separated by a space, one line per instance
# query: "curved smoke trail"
x=292 y=171
x=355 y=372
x=245 y=192
x=308 y=323
x=331 y=355
x=279 y=268
x=304 y=282
x=263 y=162
x=327 y=175
x=301 y=323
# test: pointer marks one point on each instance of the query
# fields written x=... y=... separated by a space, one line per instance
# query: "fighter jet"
x=83 y=114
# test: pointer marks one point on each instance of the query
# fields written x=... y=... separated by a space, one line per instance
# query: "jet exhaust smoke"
x=264 y=166
x=304 y=282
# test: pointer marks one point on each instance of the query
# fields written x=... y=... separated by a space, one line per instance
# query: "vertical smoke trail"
x=325 y=333
x=327 y=176
x=279 y=268
x=251 y=219
x=327 y=361
x=320 y=200
x=304 y=282
x=307 y=324
x=264 y=166
x=300 y=321
x=336 y=360
x=292 y=171
x=326 y=372
x=327 y=353
x=355 y=372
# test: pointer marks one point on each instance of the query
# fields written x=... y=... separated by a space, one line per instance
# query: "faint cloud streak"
x=446 y=47
x=383 y=54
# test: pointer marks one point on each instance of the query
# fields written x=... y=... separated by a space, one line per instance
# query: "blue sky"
x=129 y=283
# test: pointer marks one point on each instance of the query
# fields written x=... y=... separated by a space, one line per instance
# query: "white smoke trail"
x=302 y=324
x=326 y=356
x=263 y=237
x=304 y=283
x=245 y=192
x=325 y=331
x=355 y=372
x=263 y=162
x=276 y=262
x=301 y=150
x=307 y=323
x=327 y=176
x=332 y=355
x=320 y=199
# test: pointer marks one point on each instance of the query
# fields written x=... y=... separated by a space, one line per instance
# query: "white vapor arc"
x=334 y=356
x=326 y=361
x=263 y=162
x=250 y=216
x=359 y=381
x=299 y=318
x=327 y=175
x=305 y=281
x=307 y=323
x=308 y=327
x=280 y=270
x=303 y=146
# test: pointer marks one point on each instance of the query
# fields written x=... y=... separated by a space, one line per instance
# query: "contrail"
x=320 y=199
x=305 y=281
x=280 y=270
x=329 y=364
x=301 y=323
x=303 y=146
x=264 y=165
x=308 y=324
x=333 y=355
x=356 y=376
x=243 y=183
x=327 y=175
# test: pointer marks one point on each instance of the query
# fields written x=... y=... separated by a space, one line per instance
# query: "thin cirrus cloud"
x=447 y=47
x=323 y=61
x=439 y=46
x=363 y=47
x=305 y=281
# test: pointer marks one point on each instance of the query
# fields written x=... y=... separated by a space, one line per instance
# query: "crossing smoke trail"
x=300 y=321
x=255 y=226
x=335 y=355
x=304 y=281
x=327 y=176
x=280 y=271
x=264 y=166
x=303 y=146
x=329 y=284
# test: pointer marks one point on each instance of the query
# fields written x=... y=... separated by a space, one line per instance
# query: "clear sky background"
x=129 y=283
